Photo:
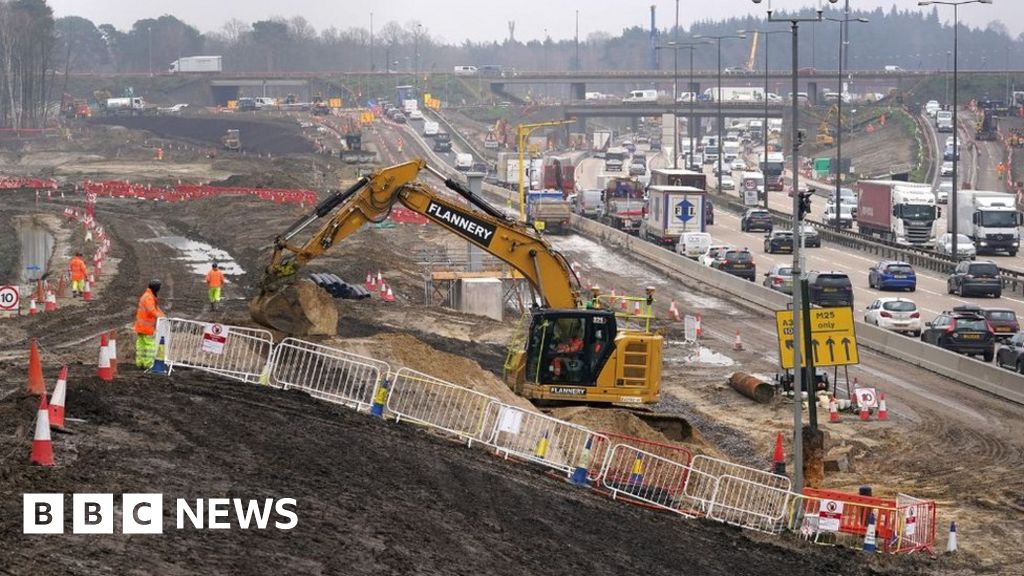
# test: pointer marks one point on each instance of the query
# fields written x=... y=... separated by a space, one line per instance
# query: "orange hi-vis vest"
x=146 y=314
x=78 y=269
x=214 y=278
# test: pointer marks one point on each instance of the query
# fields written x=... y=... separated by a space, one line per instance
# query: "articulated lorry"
x=990 y=219
x=197 y=64
x=671 y=211
x=623 y=204
x=901 y=212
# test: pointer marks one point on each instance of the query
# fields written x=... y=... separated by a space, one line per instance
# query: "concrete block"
x=481 y=296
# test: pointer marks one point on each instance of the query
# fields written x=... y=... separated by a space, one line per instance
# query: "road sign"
x=833 y=340
x=10 y=298
x=685 y=210
x=830 y=513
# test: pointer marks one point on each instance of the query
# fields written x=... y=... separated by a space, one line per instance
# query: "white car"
x=738 y=164
x=727 y=183
x=896 y=314
x=947 y=168
x=932 y=107
x=416 y=115
x=943 y=191
x=713 y=252
x=964 y=245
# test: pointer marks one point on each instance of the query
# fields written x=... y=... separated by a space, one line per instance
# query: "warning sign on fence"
x=910 y=521
x=830 y=512
x=214 y=338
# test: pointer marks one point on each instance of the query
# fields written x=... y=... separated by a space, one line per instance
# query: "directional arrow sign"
x=685 y=210
x=833 y=339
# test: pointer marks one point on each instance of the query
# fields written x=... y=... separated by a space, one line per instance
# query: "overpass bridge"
x=701 y=110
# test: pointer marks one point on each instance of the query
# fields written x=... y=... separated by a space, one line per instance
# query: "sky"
x=454 y=21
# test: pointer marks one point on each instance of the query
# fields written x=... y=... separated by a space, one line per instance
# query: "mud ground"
x=257 y=136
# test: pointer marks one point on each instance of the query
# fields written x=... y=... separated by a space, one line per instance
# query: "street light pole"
x=149 y=33
x=674 y=46
x=951 y=224
x=764 y=96
x=718 y=98
x=843 y=30
x=372 y=67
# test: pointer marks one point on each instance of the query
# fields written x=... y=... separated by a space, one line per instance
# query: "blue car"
x=892 y=275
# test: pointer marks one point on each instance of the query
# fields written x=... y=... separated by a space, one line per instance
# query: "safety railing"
x=749 y=504
x=235 y=352
x=540 y=438
x=327 y=373
x=703 y=493
x=435 y=403
x=601 y=464
x=649 y=478
x=917 y=524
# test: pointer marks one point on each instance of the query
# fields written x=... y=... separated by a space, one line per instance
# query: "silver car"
x=964 y=246
x=943 y=191
x=779 y=278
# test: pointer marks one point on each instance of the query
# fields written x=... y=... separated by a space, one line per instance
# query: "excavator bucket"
x=298 y=309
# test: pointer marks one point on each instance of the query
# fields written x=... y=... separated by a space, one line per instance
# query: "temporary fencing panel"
x=327 y=373
x=917 y=524
x=432 y=402
x=749 y=504
x=540 y=438
x=600 y=463
x=746 y=490
x=648 y=478
x=240 y=353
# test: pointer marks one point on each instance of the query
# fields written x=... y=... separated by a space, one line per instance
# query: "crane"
x=753 y=51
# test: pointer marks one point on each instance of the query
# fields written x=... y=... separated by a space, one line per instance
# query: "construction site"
x=162 y=197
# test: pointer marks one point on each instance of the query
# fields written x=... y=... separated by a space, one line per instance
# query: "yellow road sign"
x=833 y=339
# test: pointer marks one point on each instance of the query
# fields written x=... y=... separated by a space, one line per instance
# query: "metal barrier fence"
x=917 y=524
x=649 y=478
x=749 y=504
x=703 y=493
x=432 y=402
x=601 y=464
x=234 y=352
x=540 y=438
x=327 y=373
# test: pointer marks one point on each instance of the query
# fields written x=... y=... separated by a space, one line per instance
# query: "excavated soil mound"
x=372 y=497
x=256 y=136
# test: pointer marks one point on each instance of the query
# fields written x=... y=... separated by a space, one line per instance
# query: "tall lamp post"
x=416 y=50
x=951 y=223
x=798 y=205
x=718 y=98
x=372 y=67
x=676 y=47
x=843 y=30
x=764 y=127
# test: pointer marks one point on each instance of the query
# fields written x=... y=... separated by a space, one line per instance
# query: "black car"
x=979 y=277
x=1011 y=353
x=779 y=241
x=810 y=235
x=962 y=330
x=756 y=219
x=709 y=211
x=830 y=289
x=738 y=262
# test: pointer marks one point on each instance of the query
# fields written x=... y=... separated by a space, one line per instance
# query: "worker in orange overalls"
x=145 y=326
x=78 y=272
x=214 y=281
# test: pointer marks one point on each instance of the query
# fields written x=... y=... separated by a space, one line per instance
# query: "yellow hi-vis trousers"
x=145 y=351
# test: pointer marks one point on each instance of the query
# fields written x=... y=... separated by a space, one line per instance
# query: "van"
x=587 y=203
x=641 y=96
x=693 y=244
x=465 y=70
x=892 y=68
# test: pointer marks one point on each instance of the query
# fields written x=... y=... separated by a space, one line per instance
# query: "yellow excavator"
x=571 y=349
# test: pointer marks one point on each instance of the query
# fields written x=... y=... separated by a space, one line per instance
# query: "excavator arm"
x=370 y=200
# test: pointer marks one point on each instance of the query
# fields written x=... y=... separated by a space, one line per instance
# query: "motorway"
x=931 y=297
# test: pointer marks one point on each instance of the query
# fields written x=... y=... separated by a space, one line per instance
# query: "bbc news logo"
x=144 y=514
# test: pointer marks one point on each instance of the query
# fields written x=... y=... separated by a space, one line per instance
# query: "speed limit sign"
x=10 y=298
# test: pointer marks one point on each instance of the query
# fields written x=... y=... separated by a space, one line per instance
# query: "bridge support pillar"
x=812 y=93
x=578 y=91
x=695 y=87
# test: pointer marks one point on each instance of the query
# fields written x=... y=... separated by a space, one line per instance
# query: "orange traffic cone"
x=112 y=352
x=42 y=446
x=32 y=309
x=390 y=296
x=87 y=292
x=51 y=301
x=883 y=412
x=383 y=289
x=35 y=371
x=778 y=457
x=57 y=400
x=103 y=366
x=39 y=291
x=864 y=413
x=673 y=312
x=737 y=344
x=833 y=409
x=700 y=329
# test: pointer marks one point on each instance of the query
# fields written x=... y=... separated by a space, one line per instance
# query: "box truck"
x=671 y=211
x=197 y=64
x=901 y=212
x=547 y=210
x=990 y=219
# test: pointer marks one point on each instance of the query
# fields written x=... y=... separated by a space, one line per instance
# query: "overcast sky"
x=484 y=20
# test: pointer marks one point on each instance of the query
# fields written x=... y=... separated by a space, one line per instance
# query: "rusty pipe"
x=752 y=387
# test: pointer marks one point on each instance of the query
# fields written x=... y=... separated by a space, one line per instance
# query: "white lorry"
x=463 y=162
x=990 y=219
x=135 y=105
x=431 y=128
x=902 y=212
x=671 y=211
x=197 y=64
x=944 y=121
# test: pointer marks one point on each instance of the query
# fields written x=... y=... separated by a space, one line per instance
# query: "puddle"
x=710 y=357
x=36 y=246
x=199 y=255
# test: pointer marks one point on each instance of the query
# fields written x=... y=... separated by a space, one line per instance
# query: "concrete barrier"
x=984 y=376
